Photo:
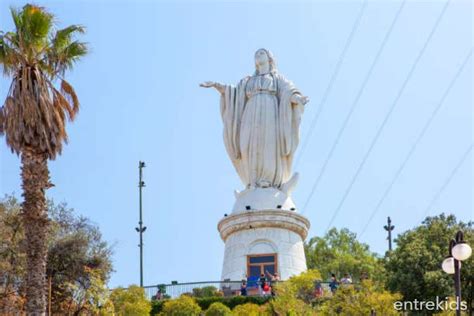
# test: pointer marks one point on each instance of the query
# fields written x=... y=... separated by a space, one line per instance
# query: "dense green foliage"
x=206 y=302
x=340 y=252
x=361 y=299
x=414 y=266
x=130 y=302
x=12 y=257
x=249 y=309
x=218 y=309
x=182 y=306
x=76 y=253
x=78 y=266
x=295 y=296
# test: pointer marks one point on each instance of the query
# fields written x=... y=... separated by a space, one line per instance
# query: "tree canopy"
x=130 y=302
x=414 y=266
x=79 y=260
x=36 y=54
x=340 y=252
x=361 y=299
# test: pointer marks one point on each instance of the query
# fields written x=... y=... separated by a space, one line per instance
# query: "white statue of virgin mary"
x=261 y=118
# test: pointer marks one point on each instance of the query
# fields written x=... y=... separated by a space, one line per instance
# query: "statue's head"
x=264 y=57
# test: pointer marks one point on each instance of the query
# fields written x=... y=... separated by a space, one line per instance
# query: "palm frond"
x=73 y=101
x=64 y=36
x=36 y=24
x=64 y=52
x=16 y=17
x=3 y=49
x=33 y=26
x=11 y=57
x=2 y=120
x=34 y=113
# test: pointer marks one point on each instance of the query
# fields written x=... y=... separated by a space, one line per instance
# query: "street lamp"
x=459 y=251
x=462 y=250
x=448 y=265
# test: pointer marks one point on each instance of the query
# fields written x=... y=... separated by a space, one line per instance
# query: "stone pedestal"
x=273 y=228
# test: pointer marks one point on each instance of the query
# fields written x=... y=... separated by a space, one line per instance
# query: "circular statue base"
x=251 y=237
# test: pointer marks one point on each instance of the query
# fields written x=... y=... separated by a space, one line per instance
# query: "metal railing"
x=225 y=288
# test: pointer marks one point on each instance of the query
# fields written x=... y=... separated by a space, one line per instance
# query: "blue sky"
x=141 y=101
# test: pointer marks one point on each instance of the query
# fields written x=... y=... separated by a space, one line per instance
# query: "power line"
x=353 y=106
x=417 y=141
x=387 y=116
x=448 y=180
x=331 y=81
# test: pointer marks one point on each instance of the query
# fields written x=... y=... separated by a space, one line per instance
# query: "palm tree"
x=33 y=119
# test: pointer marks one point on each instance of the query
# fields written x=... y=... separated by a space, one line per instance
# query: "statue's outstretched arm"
x=210 y=84
x=299 y=99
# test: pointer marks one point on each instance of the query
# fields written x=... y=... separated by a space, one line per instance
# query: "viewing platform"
x=221 y=288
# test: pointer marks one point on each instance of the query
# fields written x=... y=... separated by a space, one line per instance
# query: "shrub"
x=290 y=306
x=206 y=302
x=182 y=306
x=131 y=301
x=249 y=309
x=296 y=295
x=157 y=306
x=231 y=302
x=218 y=309
x=300 y=286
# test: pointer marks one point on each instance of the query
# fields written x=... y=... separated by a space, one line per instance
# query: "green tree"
x=360 y=299
x=131 y=301
x=77 y=256
x=218 y=309
x=93 y=298
x=340 y=252
x=414 y=266
x=12 y=257
x=182 y=306
x=78 y=266
x=33 y=118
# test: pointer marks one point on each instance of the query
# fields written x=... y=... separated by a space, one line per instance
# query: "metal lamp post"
x=459 y=251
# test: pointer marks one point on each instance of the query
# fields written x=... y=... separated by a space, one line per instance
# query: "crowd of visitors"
x=265 y=285
x=334 y=283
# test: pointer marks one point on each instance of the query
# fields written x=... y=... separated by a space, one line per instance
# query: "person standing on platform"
x=334 y=284
x=346 y=279
x=263 y=284
x=243 y=288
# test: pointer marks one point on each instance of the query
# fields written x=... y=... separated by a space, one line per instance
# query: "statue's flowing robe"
x=261 y=128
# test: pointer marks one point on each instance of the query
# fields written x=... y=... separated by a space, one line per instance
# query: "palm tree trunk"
x=35 y=177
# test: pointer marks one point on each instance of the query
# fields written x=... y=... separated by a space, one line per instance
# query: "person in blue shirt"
x=334 y=284
x=243 y=288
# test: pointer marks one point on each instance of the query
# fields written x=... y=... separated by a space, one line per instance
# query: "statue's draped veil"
x=271 y=60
